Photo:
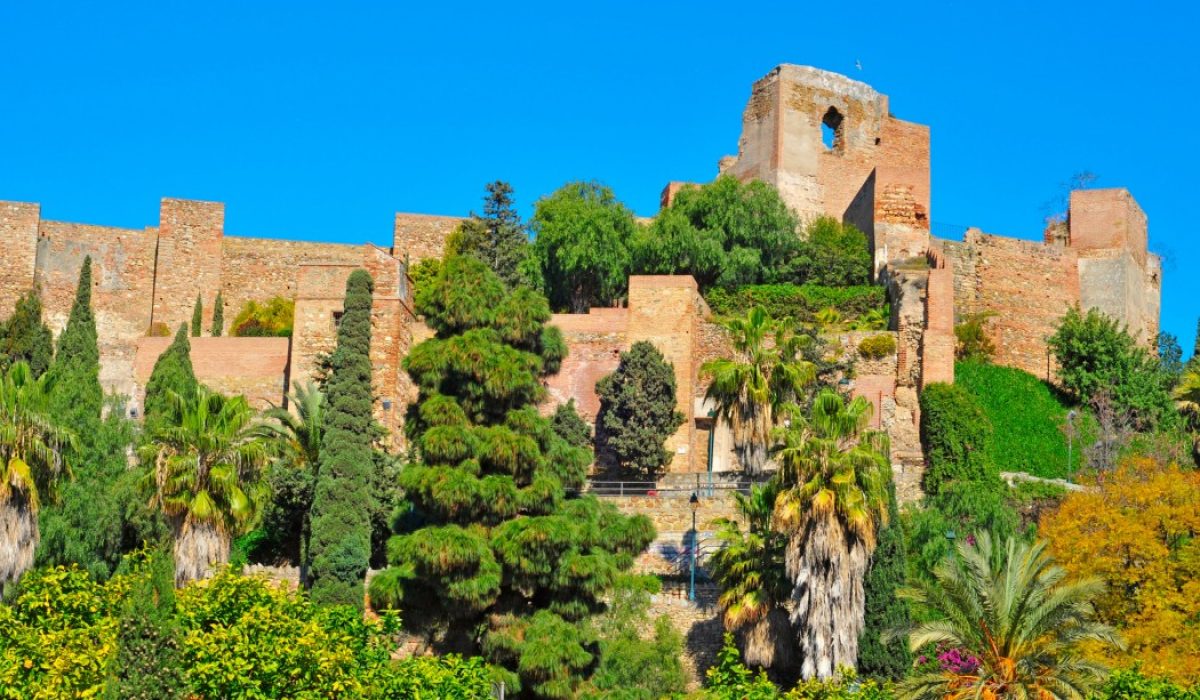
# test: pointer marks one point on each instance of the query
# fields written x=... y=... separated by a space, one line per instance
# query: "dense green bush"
x=273 y=318
x=637 y=410
x=1130 y=684
x=801 y=303
x=25 y=337
x=1096 y=355
x=877 y=346
x=1027 y=417
x=884 y=611
x=729 y=679
x=955 y=434
x=238 y=638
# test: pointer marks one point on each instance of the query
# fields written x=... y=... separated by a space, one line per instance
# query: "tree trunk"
x=827 y=565
x=19 y=536
x=752 y=437
x=200 y=547
x=770 y=642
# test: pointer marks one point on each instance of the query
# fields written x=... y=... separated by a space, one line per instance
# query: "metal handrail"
x=652 y=488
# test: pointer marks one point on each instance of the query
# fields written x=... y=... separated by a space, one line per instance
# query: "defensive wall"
x=146 y=282
x=831 y=146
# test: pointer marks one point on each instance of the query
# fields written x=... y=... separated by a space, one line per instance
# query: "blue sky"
x=318 y=122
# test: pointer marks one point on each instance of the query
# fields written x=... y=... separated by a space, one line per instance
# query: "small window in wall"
x=337 y=318
x=831 y=130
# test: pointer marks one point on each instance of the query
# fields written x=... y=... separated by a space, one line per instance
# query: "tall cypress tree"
x=77 y=397
x=637 y=409
x=510 y=561
x=339 y=548
x=884 y=610
x=197 y=317
x=25 y=337
x=172 y=373
x=218 y=322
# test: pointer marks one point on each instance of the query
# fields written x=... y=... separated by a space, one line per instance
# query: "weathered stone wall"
x=1117 y=274
x=189 y=259
x=1026 y=285
x=938 y=342
x=256 y=269
x=420 y=236
x=253 y=367
x=122 y=288
x=18 y=246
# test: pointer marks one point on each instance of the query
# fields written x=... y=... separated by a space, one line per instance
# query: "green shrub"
x=970 y=340
x=271 y=319
x=877 y=346
x=955 y=434
x=1130 y=684
x=801 y=303
x=1027 y=418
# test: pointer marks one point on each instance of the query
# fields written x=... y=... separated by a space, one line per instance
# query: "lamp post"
x=694 y=502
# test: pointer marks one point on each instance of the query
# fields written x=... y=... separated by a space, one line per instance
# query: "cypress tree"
x=509 y=559
x=197 y=317
x=101 y=513
x=570 y=426
x=25 y=337
x=218 y=322
x=77 y=397
x=172 y=372
x=340 y=532
x=884 y=610
x=148 y=663
x=637 y=409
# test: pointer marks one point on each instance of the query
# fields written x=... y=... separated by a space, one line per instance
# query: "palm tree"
x=205 y=469
x=750 y=391
x=33 y=451
x=754 y=586
x=835 y=475
x=1012 y=609
x=294 y=436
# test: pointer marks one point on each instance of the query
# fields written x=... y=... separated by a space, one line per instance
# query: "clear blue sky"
x=318 y=123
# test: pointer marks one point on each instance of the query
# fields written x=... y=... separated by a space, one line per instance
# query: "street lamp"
x=694 y=502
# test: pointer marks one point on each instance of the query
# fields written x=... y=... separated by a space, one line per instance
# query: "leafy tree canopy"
x=1095 y=353
x=1136 y=529
x=272 y=318
x=581 y=247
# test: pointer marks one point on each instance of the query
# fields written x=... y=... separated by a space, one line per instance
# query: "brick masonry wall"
x=122 y=288
x=18 y=246
x=258 y=268
x=416 y=237
x=189 y=259
x=253 y=367
x=1028 y=286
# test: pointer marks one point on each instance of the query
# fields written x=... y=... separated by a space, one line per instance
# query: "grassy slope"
x=1026 y=415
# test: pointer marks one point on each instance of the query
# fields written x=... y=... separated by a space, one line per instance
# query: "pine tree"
x=172 y=373
x=25 y=337
x=570 y=426
x=884 y=610
x=340 y=538
x=498 y=238
x=218 y=321
x=78 y=397
x=505 y=562
x=148 y=664
x=637 y=409
x=197 y=317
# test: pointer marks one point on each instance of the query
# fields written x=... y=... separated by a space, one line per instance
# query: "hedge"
x=799 y=302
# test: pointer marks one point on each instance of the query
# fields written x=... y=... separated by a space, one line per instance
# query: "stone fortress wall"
x=875 y=173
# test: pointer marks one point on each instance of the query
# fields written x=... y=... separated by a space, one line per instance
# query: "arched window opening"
x=831 y=130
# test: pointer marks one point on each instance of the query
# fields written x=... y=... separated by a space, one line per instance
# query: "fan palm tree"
x=749 y=391
x=754 y=586
x=1014 y=611
x=205 y=471
x=294 y=437
x=834 y=475
x=33 y=452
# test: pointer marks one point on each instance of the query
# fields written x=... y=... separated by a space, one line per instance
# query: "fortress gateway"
x=874 y=174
